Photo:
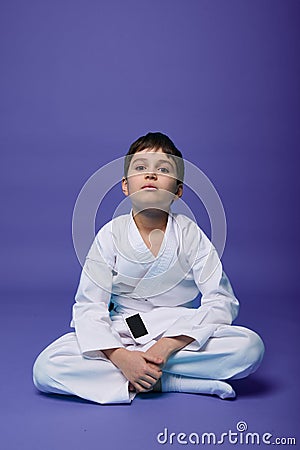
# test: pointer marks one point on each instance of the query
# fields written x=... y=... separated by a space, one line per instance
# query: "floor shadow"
x=75 y=399
x=254 y=385
x=151 y=395
x=67 y=398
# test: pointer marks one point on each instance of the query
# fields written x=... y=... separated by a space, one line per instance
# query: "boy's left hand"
x=161 y=349
x=164 y=347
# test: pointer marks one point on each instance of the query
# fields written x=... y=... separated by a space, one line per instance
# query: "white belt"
x=128 y=303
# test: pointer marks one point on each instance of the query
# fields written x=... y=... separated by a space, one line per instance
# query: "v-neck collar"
x=137 y=242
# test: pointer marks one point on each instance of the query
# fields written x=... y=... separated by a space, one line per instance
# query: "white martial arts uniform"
x=121 y=272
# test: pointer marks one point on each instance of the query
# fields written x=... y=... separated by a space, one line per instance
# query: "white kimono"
x=121 y=278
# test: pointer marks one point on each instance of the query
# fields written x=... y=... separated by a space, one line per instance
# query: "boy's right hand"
x=142 y=370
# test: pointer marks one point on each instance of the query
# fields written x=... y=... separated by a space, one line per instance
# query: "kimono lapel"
x=165 y=269
x=166 y=252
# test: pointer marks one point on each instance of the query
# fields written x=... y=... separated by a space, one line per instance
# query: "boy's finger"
x=154 y=375
x=153 y=359
x=145 y=385
x=149 y=379
x=154 y=368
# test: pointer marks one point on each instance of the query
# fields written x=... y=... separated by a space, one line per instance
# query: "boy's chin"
x=151 y=208
x=152 y=198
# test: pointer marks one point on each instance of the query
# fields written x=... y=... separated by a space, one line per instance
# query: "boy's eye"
x=164 y=170
x=141 y=167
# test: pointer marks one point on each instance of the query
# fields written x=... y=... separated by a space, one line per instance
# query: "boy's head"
x=153 y=172
x=156 y=141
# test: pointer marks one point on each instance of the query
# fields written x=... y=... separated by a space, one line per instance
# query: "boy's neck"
x=150 y=219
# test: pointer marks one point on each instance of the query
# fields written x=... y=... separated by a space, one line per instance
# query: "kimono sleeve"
x=90 y=317
x=219 y=306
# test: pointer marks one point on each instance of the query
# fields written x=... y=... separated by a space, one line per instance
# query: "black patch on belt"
x=136 y=326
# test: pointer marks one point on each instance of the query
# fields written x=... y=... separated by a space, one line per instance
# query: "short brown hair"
x=156 y=141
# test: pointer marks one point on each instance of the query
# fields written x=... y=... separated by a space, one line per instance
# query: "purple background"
x=80 y=80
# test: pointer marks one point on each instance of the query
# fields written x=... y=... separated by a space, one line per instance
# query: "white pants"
x=232 y=352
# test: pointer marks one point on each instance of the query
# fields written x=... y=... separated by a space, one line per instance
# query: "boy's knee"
x=255 y=349
x=41 y=372
x=250 y=353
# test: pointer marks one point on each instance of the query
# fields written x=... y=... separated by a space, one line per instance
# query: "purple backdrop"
x=79 y=82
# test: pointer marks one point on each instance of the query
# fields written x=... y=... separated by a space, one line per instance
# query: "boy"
x=136 y=329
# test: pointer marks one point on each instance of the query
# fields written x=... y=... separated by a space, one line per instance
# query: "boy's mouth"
x=149 y=187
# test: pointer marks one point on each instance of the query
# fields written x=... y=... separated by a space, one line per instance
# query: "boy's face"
x=152 y=180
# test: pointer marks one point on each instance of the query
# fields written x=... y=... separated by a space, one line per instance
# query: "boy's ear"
x=179 y=190
x=125 y=186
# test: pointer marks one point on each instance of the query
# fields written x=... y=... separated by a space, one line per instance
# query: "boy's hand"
x=164 y=347
x=141 y=369
x=161 y=349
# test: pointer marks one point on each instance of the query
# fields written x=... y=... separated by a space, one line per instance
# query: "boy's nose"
x=151 y=175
